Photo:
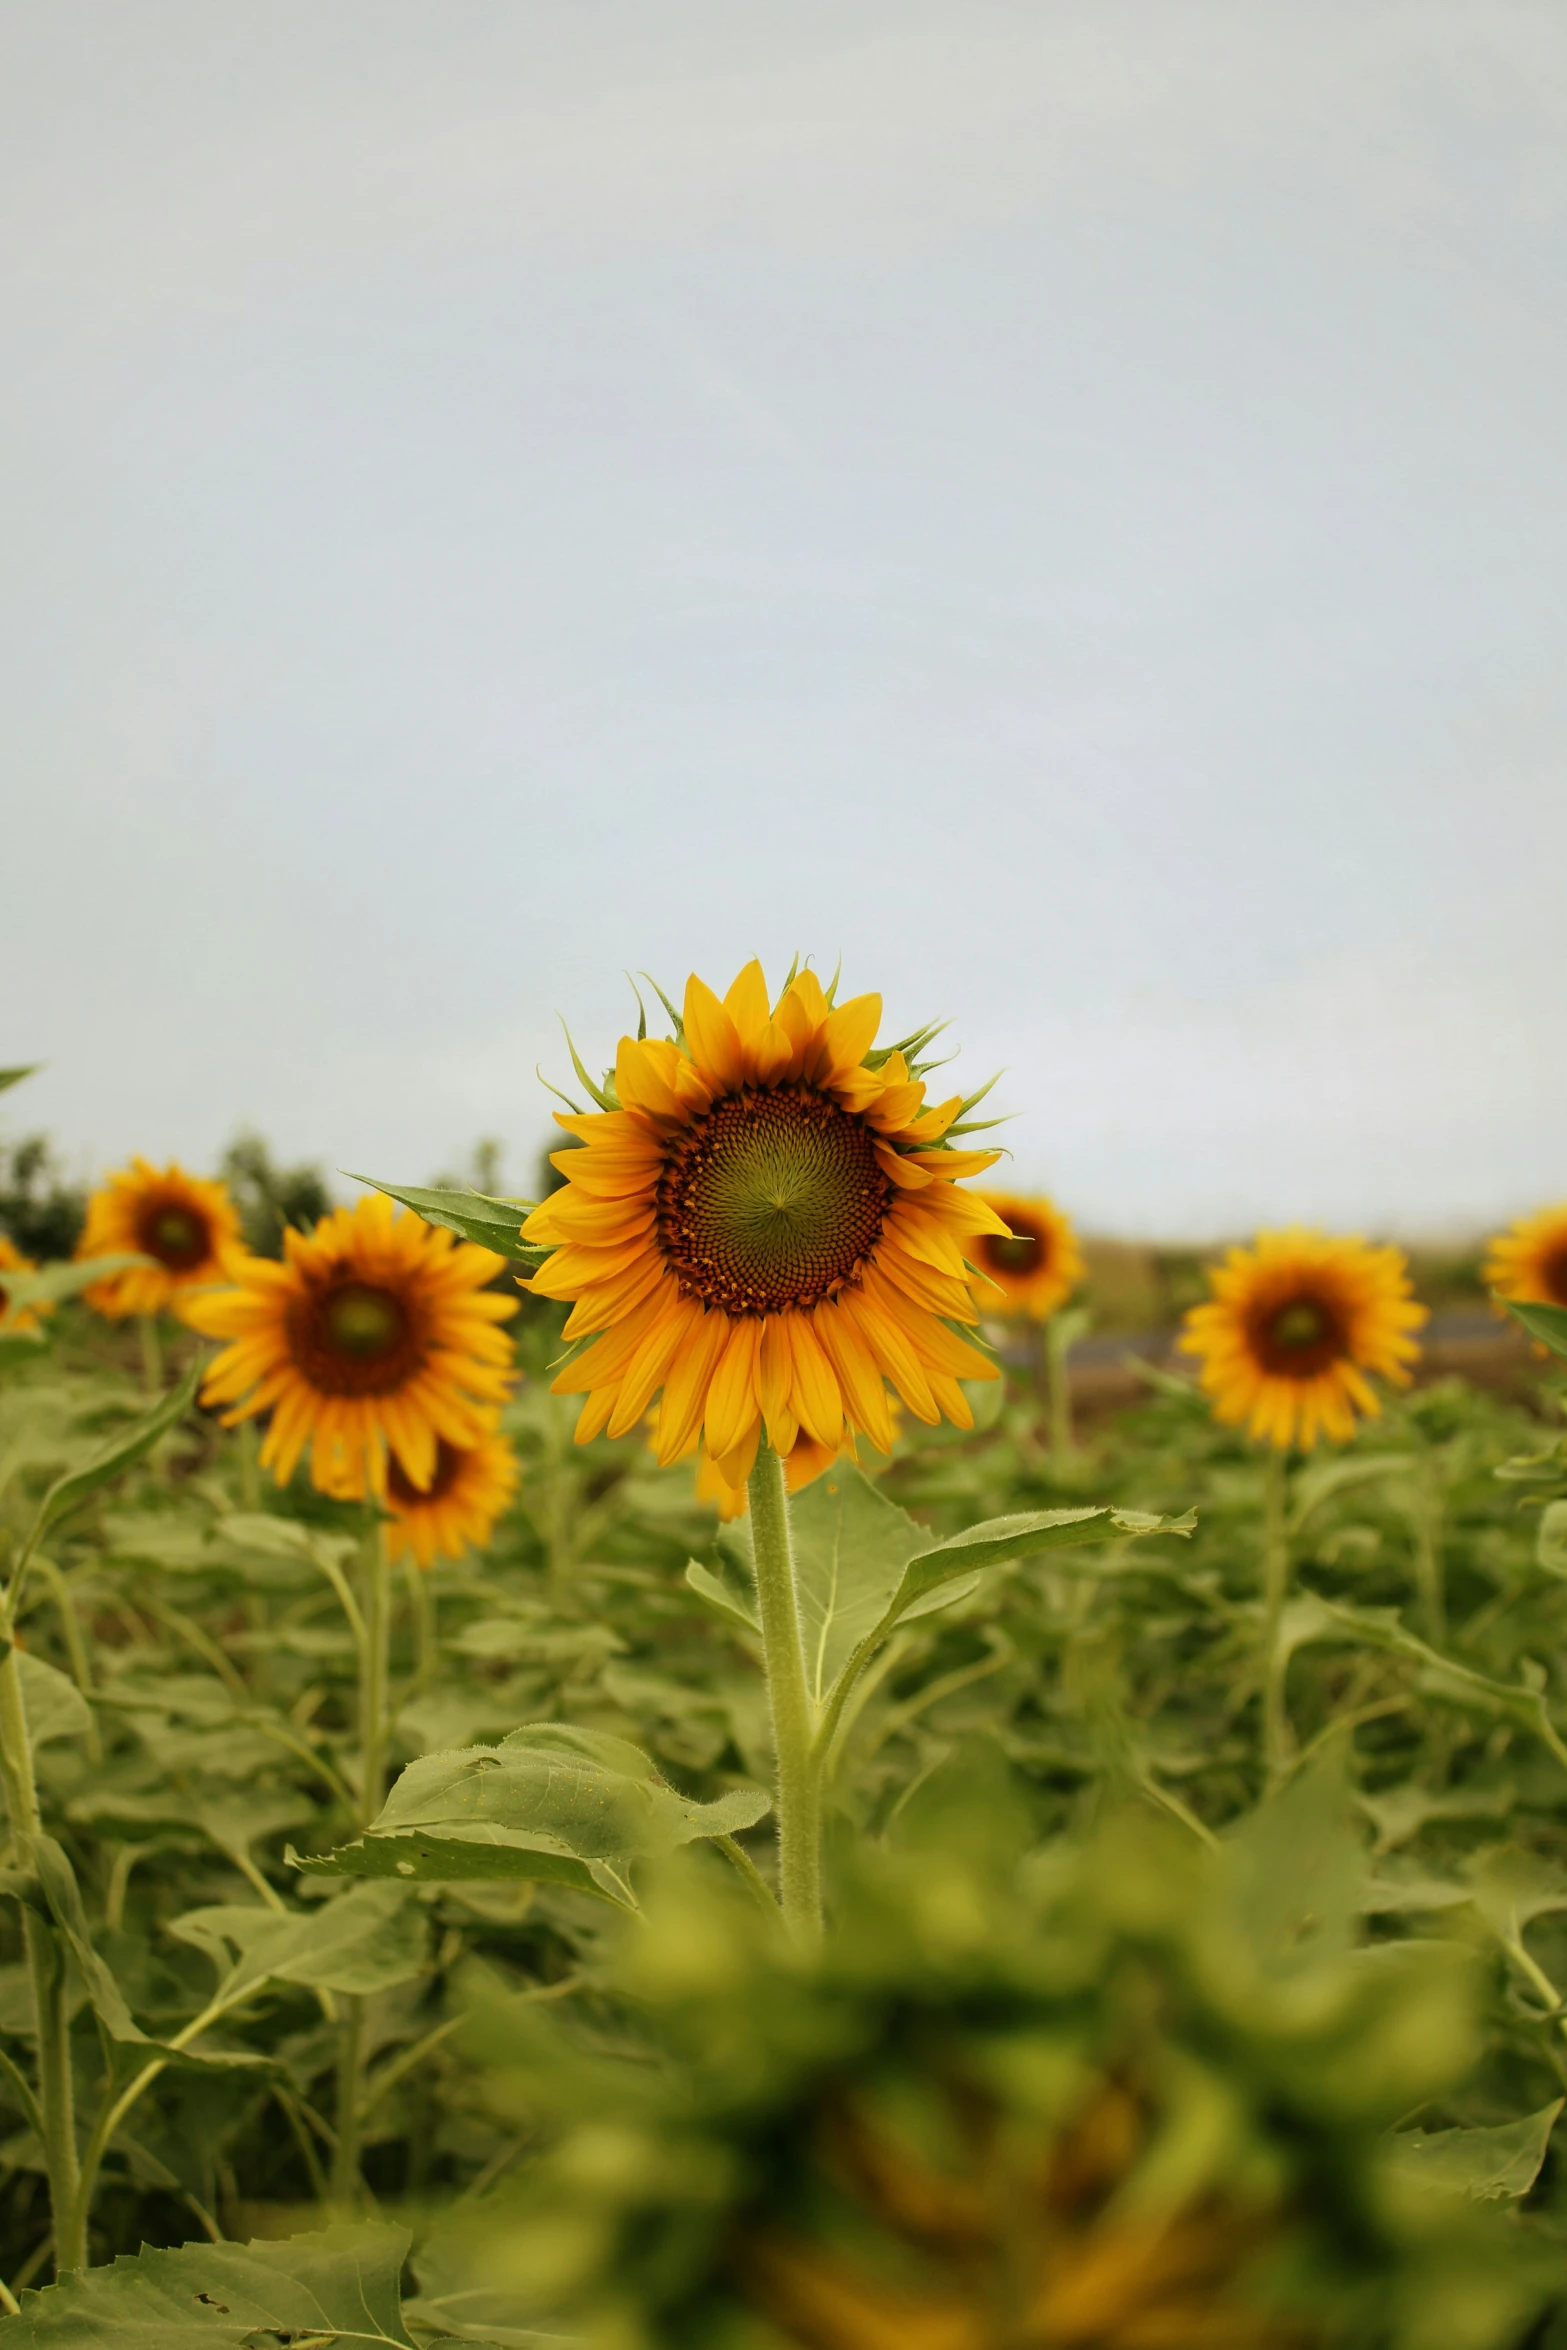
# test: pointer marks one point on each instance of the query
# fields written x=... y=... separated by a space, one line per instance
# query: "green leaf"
x=1312 y=1618
x=54 y=1706
x=133 y=1444
x=572 y=1806
x=232 y=1823
x=51 y=1283
x=21 y=1346
x=726 y=1597
x=342 y=2285
x=10 y=1077
x=986 y=1544
x=495 y=1224
x=367 y=1940
x=54 y=1873
x=1486 y=2165
x=1550 y=1551
x=851 y=1546
x=1547 y=1323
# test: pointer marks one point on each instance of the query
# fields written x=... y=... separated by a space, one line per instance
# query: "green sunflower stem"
x=56 y=2092
x=151 y=1353
x=1277 y=1742
x=1055 y=1340
x=374 y=1727
x=799 y=1796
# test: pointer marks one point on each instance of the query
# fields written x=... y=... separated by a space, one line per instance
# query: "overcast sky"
x=1061 y=502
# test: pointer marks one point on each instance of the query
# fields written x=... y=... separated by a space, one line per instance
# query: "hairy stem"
x=799 y=1781
x=1276 y=1738
x=347 y=2187
x=151 y=1353
x=46 y=1973
x=1054 y=1343
x=373 y=1643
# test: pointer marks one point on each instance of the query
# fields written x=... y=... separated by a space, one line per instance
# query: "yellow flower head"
x=1037 y=1263
x=1529 y=1259
x=1294 y=1324
x=13 y=1261
x=765 y=1224
x=375 y=1335
x=471 y=1488
x=182 y=1222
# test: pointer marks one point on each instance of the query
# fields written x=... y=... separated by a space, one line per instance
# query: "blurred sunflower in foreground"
x=373 y=1341
x=1129 y=2097
x=1529 y=1260
x=1294 y=1324
x=181 y=1222
x=766 y=1225
x=1037 y=1263
x=471 y=1487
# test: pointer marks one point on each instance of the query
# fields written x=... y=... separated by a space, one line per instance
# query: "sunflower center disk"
x=1553 y=1276
x=401 y=1487
x=1018 y=1254
x=175 y=1237
x=1299 y=1338
x=773 y=1200
x=355 y=1339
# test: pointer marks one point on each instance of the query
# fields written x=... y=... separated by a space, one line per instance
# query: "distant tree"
x=39 y=1210
x=271 y=1198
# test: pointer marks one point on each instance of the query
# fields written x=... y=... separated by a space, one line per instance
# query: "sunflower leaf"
x=368 y=1940
x=54 y=1282
x=572 y=1806
x=341 y=2285
x=1487 y=2165
x=78 y=1485
x=10 y=1077
x=1547 y=1323
x=495 y=1224
x=994 y=1539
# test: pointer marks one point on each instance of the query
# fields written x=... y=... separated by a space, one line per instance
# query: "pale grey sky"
x=1060 y=501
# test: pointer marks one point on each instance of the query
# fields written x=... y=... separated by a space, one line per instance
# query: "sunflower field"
x=647 y=1768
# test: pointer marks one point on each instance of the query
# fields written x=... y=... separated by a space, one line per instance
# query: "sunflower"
x=183 y=1223
x=1529 y=1260
x=766 y=1224
x=375 y=1335
x=1294 y=1324
x=472 y=1487
x=13 y=1261
x=1036 y=1264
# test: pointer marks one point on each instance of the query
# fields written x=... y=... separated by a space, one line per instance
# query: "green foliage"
x=340 y=2286
x=240 y=1963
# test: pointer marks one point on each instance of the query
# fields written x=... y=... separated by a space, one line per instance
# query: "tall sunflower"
x=1036 y=1264
x=471 y=1488
x=16 y=1318
x=181 y=1221
x=766 y=1224
x=375 y=1336
x=1294 y=1324
x=1529 y=1260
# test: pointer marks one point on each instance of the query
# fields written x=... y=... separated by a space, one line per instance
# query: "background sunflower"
x=1036 y=1264
x=13 y=1261
x=376 y=1335
x=456 y=1512
x=1294 y=1324
x=1529 y=1260
x=182 y=1222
